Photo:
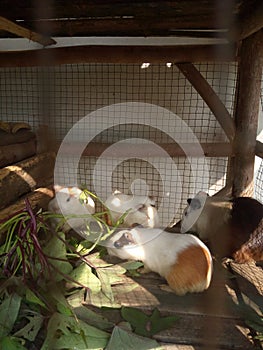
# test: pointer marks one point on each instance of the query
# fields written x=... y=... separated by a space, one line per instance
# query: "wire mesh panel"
x=62 y=96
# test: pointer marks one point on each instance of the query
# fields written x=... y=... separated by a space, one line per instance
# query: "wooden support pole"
x=246 y=114
x=12 y=27
x=249 y=25
x=118 y=54
x=210 y=97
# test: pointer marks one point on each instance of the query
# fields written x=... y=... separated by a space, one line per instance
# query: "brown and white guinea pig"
x=67 y=202
x=227 y=224
x=141 y=210
x=183 y=260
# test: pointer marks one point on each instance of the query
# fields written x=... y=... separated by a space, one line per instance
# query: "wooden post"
x=246 y=114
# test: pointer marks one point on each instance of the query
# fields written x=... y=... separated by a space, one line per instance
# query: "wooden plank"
x=118 y=54
x=95 y=149
x=210 y=97
x=125 y=26
x=193 y=15
x=16 y=152
x=259 y=149
x=208 y=320
x=14 y=28
x=23 y=177
x=246 y=114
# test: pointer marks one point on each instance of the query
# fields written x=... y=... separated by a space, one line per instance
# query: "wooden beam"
x=23 y=177
x=119 y=26
x=210 y=97
x=248 y=25
x=38 y=199
x=259 y=149
x=95 y=149
x=118 y=54
x=9 y=26
x=10 y=154
x=246 y=114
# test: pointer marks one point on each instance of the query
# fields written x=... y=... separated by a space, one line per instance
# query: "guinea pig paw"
x=143 y=270
x=165 y=288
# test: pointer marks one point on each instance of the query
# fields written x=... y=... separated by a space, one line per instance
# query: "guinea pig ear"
x=189 y=200
x=195 y=204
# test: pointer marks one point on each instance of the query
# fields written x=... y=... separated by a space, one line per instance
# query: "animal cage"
x=164 y=120
x=60 y=97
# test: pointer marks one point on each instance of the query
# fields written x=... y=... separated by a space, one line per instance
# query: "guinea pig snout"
x=118 y=244
x=124 y=240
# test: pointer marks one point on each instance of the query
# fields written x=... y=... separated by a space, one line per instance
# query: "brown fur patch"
x=253 y=248
x=191 y=272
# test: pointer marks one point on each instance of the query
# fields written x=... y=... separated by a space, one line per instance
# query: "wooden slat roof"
x=202 y=18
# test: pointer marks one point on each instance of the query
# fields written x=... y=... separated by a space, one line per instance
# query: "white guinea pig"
x=182 y=259
x=67 y=202
x=141 y=210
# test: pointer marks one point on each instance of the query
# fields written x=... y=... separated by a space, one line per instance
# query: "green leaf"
x=93 y=318
x=8 y=313
x=66 y=332
x=105 y=284
x=31 y=329
x=131 y=265
x=10 y=343
x=147 y=325
x=56 y=292
x=84 y=275
x=101 y=300
x=56 y=248
x=122 y=339
x=76 y=298
x=32 y=298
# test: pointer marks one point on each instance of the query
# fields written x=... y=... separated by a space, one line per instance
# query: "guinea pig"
x=182 y=259
x=67 y=202
x=141 y=210
x=227 y=224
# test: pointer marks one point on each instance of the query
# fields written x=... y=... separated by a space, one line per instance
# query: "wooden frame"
x=118 y=54
x=242 y=134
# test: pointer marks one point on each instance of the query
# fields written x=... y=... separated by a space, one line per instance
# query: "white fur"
x=67 y=202
x=140 y=209
x=157 y=249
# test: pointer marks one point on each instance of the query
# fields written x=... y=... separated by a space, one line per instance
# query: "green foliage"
x=8 y=313
x=122 y=339
x=66 y=332
x=147 y=325
x=43 y=284
x=252 y=319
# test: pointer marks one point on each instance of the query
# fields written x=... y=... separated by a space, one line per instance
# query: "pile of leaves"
x=45 y=278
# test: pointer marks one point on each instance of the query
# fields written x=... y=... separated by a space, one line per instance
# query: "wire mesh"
x=60 y=96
